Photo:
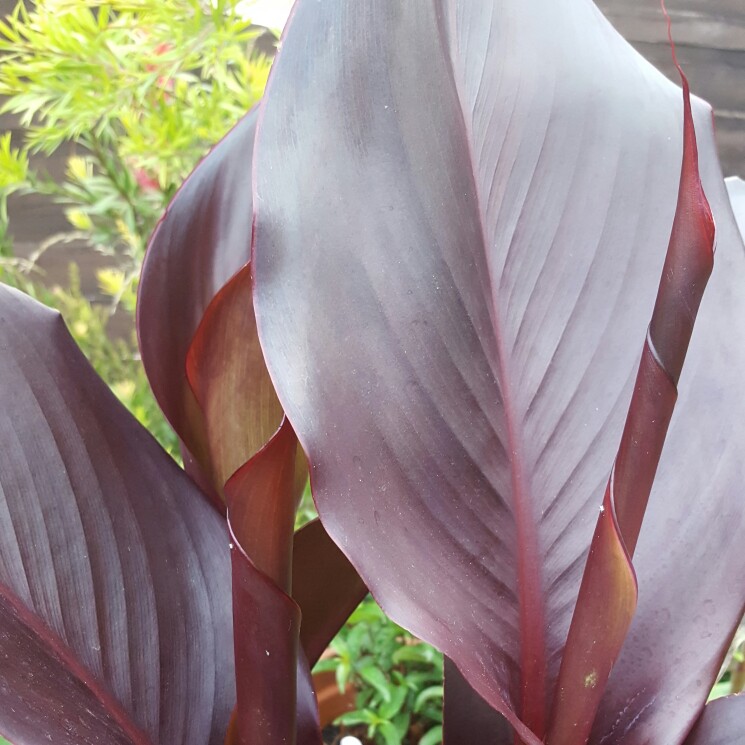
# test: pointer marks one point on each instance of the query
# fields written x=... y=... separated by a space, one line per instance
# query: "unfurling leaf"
x=608 y=593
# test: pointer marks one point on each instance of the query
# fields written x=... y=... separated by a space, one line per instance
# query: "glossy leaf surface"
x=722 y=723
x=200 y=347
x=459 y=234
x=607 y=595
x=261 y=510
x=225 y=369
x=688 y=561
x=115 y=620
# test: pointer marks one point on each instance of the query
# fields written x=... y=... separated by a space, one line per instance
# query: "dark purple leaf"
x=267 y=624
x=276 y=702
x=467 y=718
x=308 y=725
x=689 y=560
x=325 y=586
x=722 y=723
x=607 y=595
x=115 y=621
x=262 y=501
x=200 y=347
x=200 y=243
x=462 y=211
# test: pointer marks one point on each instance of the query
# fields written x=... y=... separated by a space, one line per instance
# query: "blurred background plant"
x=398 y=679
x=132 y=93
x=135 y=92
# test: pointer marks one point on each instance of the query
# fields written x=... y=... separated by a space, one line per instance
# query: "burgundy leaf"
x=722 y=723
x=274 y=701
x=226 y=371
x=689 y=560
x=467 y=718
x=115 y=621
x=308 y=725
x=200 y=243
x=262 y=500
x=267 y=624
x=607 y=595
x=736 y=189
x=196 y=317
x=267 y=621
x=325 y=586
x=274 y=687
x=462 y=211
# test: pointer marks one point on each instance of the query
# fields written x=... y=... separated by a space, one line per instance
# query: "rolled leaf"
x=200 y=348
x=689 y=560
x=326 y=589
x=202 y=240
x=325 y=586
x=607 y=596
x=458 y=237
x=226 y=371
x=308 y=724
x=115 y=621
x=721 y=723
x=267 y=625
x=262 y=502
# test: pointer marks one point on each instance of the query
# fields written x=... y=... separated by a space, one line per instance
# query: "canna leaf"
x=467 y=718
x=275 y=695
x=200 y=243
x=722 y=723
x=196 y=316
x=225 y=369
x=114 y=577
x=607 y=595
x=266 y=655
x=325 y=586
x=459 y=233
x=688 y=560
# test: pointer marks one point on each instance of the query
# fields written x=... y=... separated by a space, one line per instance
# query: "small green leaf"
x=352 y=718
x=428 y=694
x=723 y=688
x=433 y=737
x=389 y=709
x=417 y=653
x=390 y=734
x=377 y=680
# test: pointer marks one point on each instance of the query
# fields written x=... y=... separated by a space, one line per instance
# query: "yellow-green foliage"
x=135 y=91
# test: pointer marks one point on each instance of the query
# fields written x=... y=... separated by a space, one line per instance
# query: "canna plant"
x=454 y=255
x=466 y=307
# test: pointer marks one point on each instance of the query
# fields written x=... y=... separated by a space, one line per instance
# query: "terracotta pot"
x=331 y=702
